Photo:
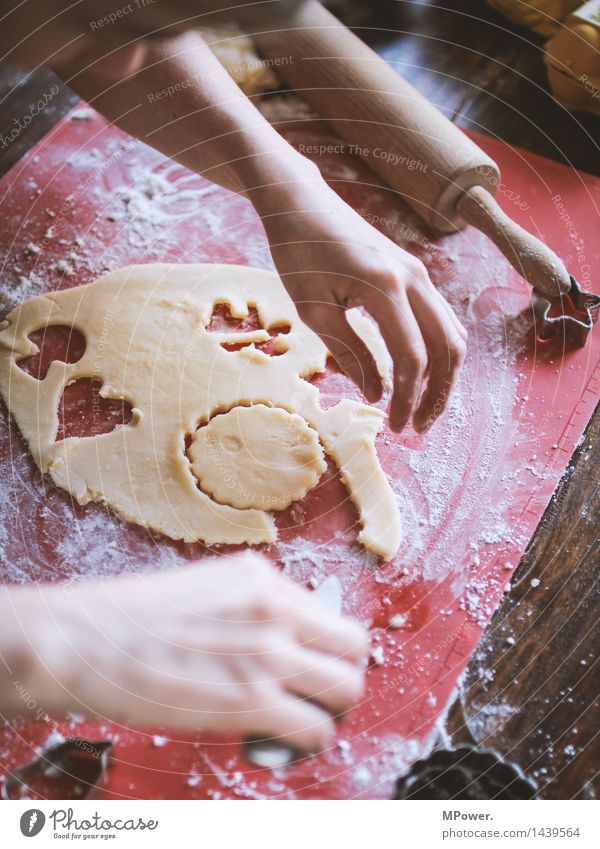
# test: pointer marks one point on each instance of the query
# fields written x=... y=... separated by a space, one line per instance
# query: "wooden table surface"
x=538 y=701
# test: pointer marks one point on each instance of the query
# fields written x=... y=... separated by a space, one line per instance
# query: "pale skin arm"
x=328 y=257
x=227 y=646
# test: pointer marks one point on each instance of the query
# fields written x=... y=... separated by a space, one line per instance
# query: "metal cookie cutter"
x=572 y=315
x=465 y=772
x=82 y=761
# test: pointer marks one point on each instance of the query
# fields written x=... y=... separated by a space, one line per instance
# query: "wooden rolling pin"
x=436 y=168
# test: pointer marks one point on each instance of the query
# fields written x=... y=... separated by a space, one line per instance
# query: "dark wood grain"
x=531 y=690
x=536 y=700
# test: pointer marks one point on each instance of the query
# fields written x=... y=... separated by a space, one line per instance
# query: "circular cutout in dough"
x=257 y=457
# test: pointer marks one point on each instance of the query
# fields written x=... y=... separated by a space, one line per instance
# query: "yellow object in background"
x=573 y=60
x=572 y=53
x=541 y=16
x=237 y=53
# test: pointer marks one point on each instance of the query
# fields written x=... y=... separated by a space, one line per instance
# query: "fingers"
x=446 y=351
x=401 y=334
x=277 y=601
x=333 y=635
x=300 y=723
x=301 y=663
x=333 y=684
x=460 y=329
x=425 y=340
x=316 y=628
x=352 y=355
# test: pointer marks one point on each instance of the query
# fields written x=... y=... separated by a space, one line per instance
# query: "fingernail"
x=398 y=425
x=422 y=425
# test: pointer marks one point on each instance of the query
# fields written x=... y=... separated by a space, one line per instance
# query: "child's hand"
x=330 y=259
x=229 y=646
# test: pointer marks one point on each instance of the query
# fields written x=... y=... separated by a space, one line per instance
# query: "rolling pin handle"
x=528 y=255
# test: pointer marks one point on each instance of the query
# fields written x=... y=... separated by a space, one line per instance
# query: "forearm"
x=26 y=680
x=206 y=124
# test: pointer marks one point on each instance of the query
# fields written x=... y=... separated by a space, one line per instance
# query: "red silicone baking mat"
x=86 y=200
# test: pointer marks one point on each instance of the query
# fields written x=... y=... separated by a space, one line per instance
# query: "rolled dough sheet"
x=148 y=342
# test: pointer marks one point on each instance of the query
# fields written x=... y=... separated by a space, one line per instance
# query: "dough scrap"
x=365 y=327
x=147 y=341
x=236 y=51
x=258 y=456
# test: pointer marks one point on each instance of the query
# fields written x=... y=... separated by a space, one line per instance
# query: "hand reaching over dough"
x=331 y=259
x=227 y=646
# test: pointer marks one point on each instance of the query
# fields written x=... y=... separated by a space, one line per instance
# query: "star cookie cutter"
x=571 y=316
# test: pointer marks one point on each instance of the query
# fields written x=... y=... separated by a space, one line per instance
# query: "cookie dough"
x=148 y=341
x=257 y=456
x=235 y=50
x=368 y=331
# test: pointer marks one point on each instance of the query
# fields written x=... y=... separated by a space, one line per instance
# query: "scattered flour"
x=453 y=485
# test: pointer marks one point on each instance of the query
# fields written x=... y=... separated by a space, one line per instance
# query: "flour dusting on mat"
x=99 y=201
